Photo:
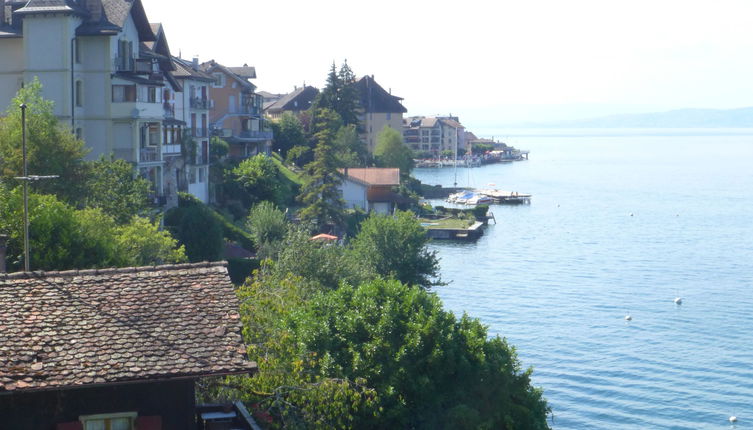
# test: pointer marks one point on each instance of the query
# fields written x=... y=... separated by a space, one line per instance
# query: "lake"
x=621 y=222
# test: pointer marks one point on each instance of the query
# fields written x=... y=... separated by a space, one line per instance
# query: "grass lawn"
x=455 y=223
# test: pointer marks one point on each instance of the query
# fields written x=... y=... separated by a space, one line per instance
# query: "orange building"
x=236 y=110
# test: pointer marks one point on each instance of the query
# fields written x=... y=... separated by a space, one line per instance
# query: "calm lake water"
x=620 y=222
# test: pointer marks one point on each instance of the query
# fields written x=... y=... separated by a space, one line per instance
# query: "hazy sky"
x=487 y=61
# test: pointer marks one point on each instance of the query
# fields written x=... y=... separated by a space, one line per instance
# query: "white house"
x=370 y=188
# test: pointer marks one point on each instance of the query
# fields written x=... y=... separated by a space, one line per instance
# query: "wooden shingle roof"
x=92 y=327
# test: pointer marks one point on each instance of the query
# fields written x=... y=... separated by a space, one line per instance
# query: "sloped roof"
x=245 y=71
x=51 y=6
x=374 y=175
x=109 y=17
x=298 y=100
x=211 y=66
x=93 y=327
x=375 y=99
x=451 y=123
x=184 y=69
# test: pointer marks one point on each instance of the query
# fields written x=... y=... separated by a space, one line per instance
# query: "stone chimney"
x=195 y=63
x=3 y=237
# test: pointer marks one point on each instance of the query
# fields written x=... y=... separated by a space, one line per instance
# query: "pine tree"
x=324 y=206
x=340 y=94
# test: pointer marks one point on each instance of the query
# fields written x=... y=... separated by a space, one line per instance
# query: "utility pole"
x=26 y=178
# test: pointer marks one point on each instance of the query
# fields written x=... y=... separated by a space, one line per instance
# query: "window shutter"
x=73 y=425
x=149 y=423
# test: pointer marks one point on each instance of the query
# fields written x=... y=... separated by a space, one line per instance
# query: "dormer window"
x=219 y=80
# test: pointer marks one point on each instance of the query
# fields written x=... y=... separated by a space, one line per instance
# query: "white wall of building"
x=354 y=195
x=11 y=69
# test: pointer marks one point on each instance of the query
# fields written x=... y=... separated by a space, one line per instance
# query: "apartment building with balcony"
x=187 y=152
x=434 y=134
x=379 y=109
x=101 y=65
x=236 y=113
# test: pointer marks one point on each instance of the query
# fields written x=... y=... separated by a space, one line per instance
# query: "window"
x=123 y=93
x=79 y=93
x=219 y=80
x=119 y=421
x=389 y=116
x=201 y=175
x=152 y=95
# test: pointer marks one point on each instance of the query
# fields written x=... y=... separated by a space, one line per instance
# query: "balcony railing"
x=248 y=134
x=199 y=103
x=130 y=64
x=149 y=154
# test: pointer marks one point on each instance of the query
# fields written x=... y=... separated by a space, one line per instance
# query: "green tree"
x=268 y=226
x=349 y=149
x=112 y=185
x=51 y=148
x=428 y=369
x=142 y=243
x=197 y=228
x=340 y=94
x=288 y=133
x=321 y=264
x=324 y=206
x=284 y=389
x=390 y=151
x=396 y=248
x=256 y=179
x=63 y=238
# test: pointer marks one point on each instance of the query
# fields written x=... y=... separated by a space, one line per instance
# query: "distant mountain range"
x=681 y=118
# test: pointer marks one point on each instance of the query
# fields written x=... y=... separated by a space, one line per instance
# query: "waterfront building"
x=236 y=113
x=371 y=188
x=379 y=108
x=110 y=75
x=434 y=134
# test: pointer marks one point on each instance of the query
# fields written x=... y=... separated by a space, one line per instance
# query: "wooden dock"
x=471 y=233
x=506 y=197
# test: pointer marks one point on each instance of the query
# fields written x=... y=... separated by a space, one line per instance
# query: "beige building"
x=379 y=109
x=434 y=135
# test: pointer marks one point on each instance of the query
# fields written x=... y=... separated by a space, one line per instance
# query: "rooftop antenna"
x=26 y=178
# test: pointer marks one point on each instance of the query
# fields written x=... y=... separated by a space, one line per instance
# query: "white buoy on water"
x=628 y=317
x=733 y=419
x=678 y=300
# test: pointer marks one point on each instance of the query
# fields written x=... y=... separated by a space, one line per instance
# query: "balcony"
x=170 y=149
x=199 y=103
x=260 y=135
x=149 y=154
x=130 y=64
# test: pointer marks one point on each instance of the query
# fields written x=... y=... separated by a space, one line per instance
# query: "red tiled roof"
x=79 y=328
x=375 y=175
